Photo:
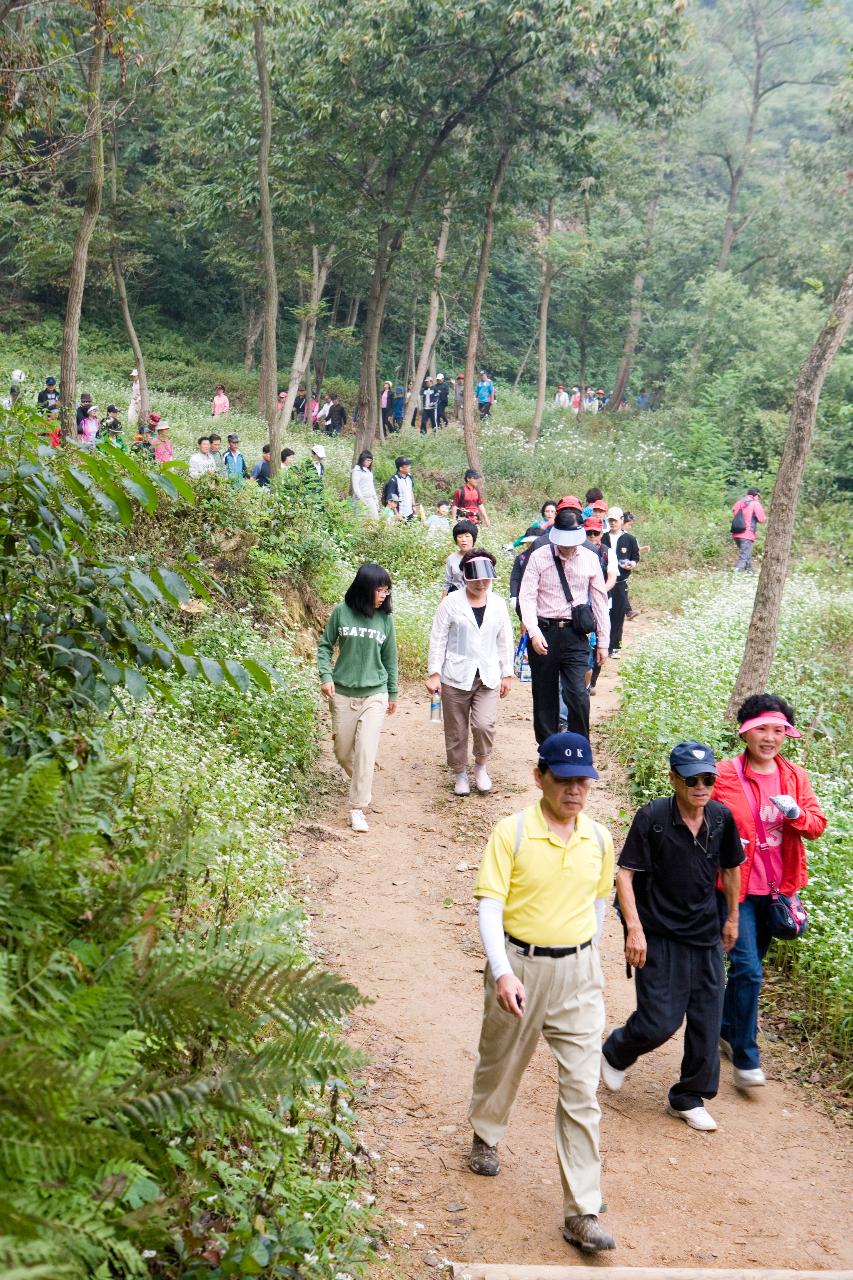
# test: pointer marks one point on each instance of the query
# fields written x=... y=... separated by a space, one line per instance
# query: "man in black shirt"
x=627 y=557
x=48 y=398
x=666 y=881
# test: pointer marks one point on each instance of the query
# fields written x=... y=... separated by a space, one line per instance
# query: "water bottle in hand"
x=435 y=706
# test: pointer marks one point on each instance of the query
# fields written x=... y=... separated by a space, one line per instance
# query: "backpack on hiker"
x=739 y=522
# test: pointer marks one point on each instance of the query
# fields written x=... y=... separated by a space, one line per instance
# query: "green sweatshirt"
x=367 y=653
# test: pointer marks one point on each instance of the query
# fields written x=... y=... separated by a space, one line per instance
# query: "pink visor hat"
x=770 y=717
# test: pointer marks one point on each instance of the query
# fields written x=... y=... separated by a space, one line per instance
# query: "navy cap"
x=568 y=755
x=690 y=758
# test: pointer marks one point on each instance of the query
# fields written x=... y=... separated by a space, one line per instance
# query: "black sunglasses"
x=708 y=779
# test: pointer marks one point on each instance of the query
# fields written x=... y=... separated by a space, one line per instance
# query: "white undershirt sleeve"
x=491 y=921
x=600 y=905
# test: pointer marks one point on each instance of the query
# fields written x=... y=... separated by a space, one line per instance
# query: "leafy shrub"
x=146 y=1109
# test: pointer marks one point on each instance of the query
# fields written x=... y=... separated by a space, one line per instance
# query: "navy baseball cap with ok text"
x=567 y=755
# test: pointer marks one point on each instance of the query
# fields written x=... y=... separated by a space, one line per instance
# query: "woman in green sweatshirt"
x=362 y=687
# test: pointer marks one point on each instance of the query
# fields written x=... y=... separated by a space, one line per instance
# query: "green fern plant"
x=122 y=1036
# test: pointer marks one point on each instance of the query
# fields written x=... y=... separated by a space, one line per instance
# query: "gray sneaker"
x=587 y=1233
x=483 y=1158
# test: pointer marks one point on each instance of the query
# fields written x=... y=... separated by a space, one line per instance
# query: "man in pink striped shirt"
x=557 y=651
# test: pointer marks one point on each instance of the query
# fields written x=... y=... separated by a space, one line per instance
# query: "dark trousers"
x=746 y=974
x=565 y=662
x=619 y=607
x=677 y=980
x=427 y=420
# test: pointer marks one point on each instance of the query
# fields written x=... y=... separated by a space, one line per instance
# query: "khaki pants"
x=565 y=1003
x=461 y=708
x=357 y=724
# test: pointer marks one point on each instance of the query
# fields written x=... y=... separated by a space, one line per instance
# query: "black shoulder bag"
x=582 y=617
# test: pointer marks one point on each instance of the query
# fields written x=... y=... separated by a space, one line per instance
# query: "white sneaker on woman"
x=358 y=822
x=482 y=781
x=748 y=1077
x=462 y=786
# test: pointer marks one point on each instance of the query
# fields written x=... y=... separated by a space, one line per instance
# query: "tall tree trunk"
x=583 y=324
x=352 y=314
x=321 y=360
x=764 y=625
x=548 y=273
x=268 y=389
x=635 y=315
x=411 y=337
x=427 y=356
x=254 y=327
x=88 y=221
x=528 y=353
x=300 y=368
x=377 y=300
x=469 y=409
x=121 y=287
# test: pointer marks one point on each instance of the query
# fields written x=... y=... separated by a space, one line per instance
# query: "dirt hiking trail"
x=393 y=912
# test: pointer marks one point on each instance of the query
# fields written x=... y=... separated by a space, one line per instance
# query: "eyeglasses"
x=707 y=779
x=383 y=591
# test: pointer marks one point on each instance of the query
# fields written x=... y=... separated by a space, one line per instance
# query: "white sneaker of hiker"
x=748 y=1077
x=696 y=1117
x=358 y=822
x=462 y=786
x=612 y=1077
x=482 y=781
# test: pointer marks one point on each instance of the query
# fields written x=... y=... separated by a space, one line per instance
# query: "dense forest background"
x=648 y=196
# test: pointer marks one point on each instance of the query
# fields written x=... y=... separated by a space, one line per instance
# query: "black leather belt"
x=544 y=623
x=554 y=952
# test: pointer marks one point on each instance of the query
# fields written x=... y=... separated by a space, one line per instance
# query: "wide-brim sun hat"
x=567 y=537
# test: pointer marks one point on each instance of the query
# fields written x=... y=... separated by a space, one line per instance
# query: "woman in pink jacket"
x=774 y=808
x=747 y=514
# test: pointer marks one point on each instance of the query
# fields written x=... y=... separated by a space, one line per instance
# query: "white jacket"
x=458 y=648
x=364 y=489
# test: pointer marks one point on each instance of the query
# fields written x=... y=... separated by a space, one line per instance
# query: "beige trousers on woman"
x=462 y=709
x=357 y=724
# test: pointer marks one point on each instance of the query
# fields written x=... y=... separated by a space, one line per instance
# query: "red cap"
x=599 y=505
x=593 y=523
x=570 y=501
x=154 y=418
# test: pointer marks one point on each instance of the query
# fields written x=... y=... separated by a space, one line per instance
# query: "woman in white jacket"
x=364 y=486
x=470 y=661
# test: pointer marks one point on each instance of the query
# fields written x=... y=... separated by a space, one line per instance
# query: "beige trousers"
x=565 y=1003
x=461 y=708
x=357 y=724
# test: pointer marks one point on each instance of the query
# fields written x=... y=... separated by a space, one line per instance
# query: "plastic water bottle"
x=435 y=706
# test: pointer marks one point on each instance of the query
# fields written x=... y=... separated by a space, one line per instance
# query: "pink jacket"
x=752 y=512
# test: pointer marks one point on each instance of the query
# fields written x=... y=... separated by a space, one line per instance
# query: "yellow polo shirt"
x=549 y=887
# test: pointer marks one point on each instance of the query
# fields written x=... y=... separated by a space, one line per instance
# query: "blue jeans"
x=743 y=986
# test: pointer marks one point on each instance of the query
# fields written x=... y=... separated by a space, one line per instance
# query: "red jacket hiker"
x=794 y=781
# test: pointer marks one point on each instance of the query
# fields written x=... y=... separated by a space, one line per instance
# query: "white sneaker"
x=482 y=781
x=357 y=820
x=696 y=1117
x=748 y=1078
x=462 y=786
x=613 y=1078
x=726 y=1049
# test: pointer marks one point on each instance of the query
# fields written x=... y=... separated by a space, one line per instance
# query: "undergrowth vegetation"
x=676 y=685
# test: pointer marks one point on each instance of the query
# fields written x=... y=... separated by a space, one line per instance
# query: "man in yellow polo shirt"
x=541 y=890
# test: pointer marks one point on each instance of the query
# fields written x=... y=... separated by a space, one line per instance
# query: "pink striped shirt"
x=542 y=595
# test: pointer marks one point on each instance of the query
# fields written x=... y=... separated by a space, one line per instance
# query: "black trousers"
x=619 y=607
x=427 y=420
x=678 y=980
x=567 y=659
